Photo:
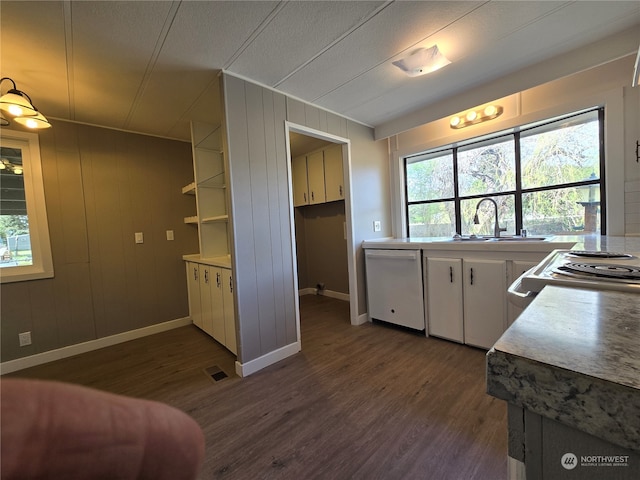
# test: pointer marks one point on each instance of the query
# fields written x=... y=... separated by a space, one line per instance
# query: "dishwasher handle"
x=411 y=255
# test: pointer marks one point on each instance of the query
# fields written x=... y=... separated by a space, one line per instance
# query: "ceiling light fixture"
x=477 y=115
x=18 y=105
x=422 y=61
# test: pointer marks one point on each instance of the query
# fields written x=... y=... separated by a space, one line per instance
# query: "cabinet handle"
x=230 y=284
x=450 y=274
x=312 y=197
x=206 y=276
x=341 y=194
x=472 y=276
x=218 y=279
x=195 y=273
x=305 y=197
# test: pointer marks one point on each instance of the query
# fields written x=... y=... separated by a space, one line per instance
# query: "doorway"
x=321 y=224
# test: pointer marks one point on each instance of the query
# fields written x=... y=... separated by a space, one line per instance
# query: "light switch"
x=169 y=234
x=139 y=237
x=377 y=226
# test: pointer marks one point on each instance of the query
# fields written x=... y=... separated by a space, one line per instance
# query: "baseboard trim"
x=362 y=319
x=252 y=366
x=327 y=293
x=71 y=350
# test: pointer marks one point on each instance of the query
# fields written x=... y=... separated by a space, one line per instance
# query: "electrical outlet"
x=24 y=338
x=139 y=237
x=169 y=234
x=377 y=226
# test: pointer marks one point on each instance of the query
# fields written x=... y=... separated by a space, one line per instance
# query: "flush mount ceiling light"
x=422 y=61
x=18 y=105
x=477 y=115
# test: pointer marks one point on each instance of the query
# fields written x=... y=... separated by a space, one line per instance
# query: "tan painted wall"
x=101 y=186
x=322 y=247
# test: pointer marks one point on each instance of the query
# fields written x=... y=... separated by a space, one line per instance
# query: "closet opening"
x=321 y=219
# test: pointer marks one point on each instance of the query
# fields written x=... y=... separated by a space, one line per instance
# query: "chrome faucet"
x=496 y=228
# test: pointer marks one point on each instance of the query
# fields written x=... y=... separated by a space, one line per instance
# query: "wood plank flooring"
x=366 y=402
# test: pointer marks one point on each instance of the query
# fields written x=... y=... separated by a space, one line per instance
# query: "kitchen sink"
x=469 y=238
x=513 y=238
x=517 y=239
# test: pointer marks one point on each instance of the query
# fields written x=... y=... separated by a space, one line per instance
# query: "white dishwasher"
x=394 y=287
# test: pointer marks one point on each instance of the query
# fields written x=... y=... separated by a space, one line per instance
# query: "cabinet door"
x=315 y=172
x=229 y=311
x=217 y=308
x=299 y=180
x=333 y=175
x=205 y=298
x=193 y=287
x=444 y=298
x=485 y=301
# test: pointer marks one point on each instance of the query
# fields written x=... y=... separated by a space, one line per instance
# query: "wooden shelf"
x=219 y=218
x=189 y=189
x=214 y=181
x=191 y=220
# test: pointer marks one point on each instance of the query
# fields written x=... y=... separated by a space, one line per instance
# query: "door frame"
x=351 y=247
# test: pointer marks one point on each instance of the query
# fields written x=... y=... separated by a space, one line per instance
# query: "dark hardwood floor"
x=366 y=402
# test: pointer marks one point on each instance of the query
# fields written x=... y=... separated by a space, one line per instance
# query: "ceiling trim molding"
x=288 y=95
x=76 y=122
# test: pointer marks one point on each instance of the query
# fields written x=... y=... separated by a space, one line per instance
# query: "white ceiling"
x=151 y=66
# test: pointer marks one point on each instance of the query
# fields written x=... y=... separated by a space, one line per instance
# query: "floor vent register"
x=215 y=373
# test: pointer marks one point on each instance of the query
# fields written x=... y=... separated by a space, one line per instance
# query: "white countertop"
x=577 y=242
x=223 y=261
x=447 y=243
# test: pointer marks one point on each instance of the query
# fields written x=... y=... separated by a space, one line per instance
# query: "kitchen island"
x=569 y=369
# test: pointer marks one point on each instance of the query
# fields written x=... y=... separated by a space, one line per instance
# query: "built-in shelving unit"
x=210 y=189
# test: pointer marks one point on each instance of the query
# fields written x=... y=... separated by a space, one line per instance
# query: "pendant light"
x=18 y=105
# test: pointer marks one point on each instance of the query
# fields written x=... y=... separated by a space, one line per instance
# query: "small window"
x=25 y=250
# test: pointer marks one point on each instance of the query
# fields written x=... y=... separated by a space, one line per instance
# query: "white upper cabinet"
x=318 y=177
x=315 y=172
x=333 y=173
x=300 y=182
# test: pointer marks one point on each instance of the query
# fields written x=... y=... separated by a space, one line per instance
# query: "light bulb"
x=472 y=115
x=15 y=110
x=455 y=121
x=490 y=110
x=17 y=170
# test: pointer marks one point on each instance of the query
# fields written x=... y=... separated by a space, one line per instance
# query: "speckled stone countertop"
x=574 y=356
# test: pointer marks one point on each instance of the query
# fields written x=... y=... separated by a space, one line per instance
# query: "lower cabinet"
x=211 y=302
x=485 y=301
x=444 y=298
x=466 y=299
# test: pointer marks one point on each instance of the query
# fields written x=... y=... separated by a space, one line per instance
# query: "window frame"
x=518 y=191
x=42 y=261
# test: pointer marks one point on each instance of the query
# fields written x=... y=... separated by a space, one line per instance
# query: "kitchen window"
x=25 y=250
x=546 y=178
